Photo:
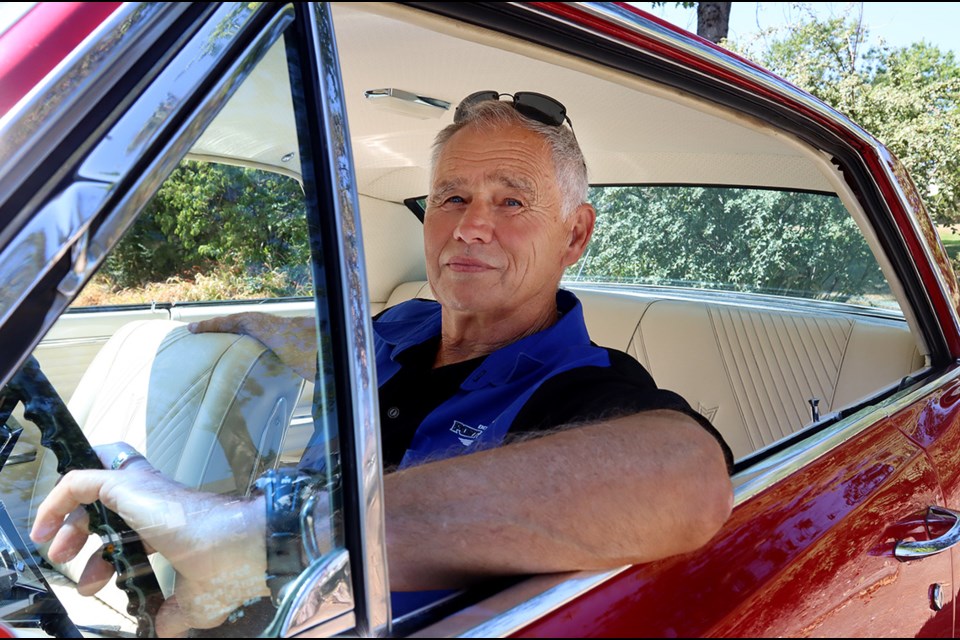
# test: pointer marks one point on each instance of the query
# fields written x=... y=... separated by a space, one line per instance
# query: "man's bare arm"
x=215 y=543
x=630 y=490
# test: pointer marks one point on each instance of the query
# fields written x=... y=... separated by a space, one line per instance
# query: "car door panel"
x=937 y=429
x=811 y=555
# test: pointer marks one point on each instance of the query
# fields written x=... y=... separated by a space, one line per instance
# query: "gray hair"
x=568 y=162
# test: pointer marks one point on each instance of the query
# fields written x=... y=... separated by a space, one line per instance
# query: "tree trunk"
x=713 y=20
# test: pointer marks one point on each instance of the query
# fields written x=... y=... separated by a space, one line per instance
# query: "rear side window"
x=784 y=243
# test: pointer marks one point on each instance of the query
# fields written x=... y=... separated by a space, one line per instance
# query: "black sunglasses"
x=535 y=106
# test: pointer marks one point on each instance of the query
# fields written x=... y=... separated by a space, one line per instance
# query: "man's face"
x=494 y=235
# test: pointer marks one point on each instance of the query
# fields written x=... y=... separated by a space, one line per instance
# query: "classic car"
x=755 y=250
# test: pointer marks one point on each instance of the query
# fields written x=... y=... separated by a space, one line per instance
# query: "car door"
x=811 y=546
x=154 y=93
x=808 y=554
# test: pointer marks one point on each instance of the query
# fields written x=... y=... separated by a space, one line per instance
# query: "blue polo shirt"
x=482 y=411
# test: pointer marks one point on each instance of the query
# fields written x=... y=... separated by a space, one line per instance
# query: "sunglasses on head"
x=535 y=106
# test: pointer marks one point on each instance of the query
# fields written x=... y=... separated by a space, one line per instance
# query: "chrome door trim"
x=77 y=83
x=513 y=608
x=369 y=561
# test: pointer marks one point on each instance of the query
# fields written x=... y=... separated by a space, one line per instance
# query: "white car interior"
x=753 y=367
x=212 y=411
x=752 y=370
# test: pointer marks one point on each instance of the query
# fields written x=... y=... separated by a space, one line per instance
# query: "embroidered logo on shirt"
x=465 y=433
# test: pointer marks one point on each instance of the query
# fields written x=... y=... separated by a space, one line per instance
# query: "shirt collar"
x=527 y=355
x=421 y=320
x=416 y=322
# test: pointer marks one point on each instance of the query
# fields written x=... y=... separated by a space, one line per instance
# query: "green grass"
x=950 y=240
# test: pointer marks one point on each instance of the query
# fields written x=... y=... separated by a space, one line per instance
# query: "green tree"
x=212 y=216
x=754 y=240
x=908 y=97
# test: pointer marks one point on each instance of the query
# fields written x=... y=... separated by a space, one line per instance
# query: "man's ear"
x=582 y=221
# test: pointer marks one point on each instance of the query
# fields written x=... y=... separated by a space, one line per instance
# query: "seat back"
x=752 y=371
x=208 y=410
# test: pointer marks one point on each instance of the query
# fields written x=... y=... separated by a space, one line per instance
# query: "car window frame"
x=330 y=163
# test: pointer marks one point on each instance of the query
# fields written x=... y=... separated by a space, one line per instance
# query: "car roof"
x=631 y=130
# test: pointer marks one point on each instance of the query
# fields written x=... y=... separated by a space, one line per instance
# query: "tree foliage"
x=213 y=217
x=754 y=240
x=907 y=97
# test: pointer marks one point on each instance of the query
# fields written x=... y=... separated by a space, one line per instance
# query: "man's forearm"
x=630 y=490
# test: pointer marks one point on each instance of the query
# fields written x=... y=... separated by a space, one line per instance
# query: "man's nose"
x=476 y=224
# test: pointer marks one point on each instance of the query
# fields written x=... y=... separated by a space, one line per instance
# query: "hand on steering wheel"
x=215 y=543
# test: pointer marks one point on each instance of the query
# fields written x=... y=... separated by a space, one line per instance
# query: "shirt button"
x=393 y=412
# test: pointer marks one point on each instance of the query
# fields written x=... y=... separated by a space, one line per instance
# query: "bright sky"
x=10 y=12
x=897 y=23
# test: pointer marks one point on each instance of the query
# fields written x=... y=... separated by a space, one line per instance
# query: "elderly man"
x=502 y=358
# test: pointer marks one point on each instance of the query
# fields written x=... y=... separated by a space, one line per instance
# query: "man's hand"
x=215 y=543
x=294 y=340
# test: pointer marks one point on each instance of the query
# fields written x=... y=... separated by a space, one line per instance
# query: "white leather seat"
x=208 y=410
x=753 y=372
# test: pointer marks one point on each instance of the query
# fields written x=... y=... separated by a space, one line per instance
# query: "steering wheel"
x=61 y=434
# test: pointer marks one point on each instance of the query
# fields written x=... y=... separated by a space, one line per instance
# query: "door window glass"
x=216 y=412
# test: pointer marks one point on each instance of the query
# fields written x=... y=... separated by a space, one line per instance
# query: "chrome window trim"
x=45 y=238
x=741 y=299
x=622 y=17
x=369 y=563
x=75 y=84
x=514 y=608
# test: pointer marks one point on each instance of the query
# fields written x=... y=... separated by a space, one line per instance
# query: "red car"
x=755 y=250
